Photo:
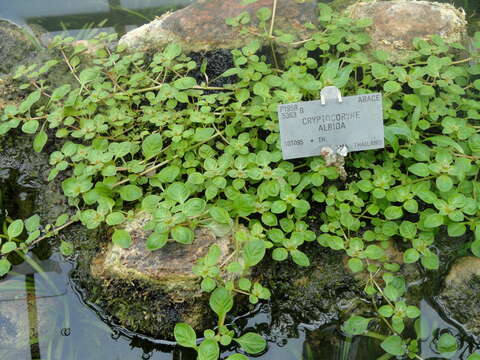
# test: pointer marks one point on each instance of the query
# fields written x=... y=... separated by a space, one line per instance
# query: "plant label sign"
x=355 y=121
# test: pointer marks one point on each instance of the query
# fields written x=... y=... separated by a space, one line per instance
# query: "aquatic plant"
x=140 y=132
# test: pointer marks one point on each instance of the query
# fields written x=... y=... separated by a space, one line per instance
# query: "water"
x=43 y=315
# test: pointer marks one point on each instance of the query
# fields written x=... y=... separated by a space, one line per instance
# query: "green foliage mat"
x=139 y=132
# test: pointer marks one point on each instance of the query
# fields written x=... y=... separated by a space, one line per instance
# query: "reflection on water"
x=43 y=316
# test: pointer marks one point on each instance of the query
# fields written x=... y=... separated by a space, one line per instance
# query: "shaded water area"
x=52 y=318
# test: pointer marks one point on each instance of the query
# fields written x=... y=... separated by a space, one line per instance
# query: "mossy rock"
x=460 y=299
x=162 y=284
x=397 y=23
x=16 y=46
x=202 y=26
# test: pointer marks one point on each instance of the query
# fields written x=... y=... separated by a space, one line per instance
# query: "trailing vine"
x=138 y=132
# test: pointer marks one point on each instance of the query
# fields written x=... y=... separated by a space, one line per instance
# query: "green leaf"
x=168 y=174
x=185 y=335
x=208 y=350
x=261 y=89
x=182 y=234
x=130 y=192
x=264 y=13
x=410 y=256
x=447 y=343
x=355 y=265
x=243 y=357
x=172 y=51
x=30 y=127
x=430 y=261
x=89 y=74
x=244 y=284
x=60 y=92
x=374 y=252
x=203 y=134
x=8 y=247
x=194 y=207
x=386 y=311
x=115 y=218
x=393 y=212
x=29 y=101
x=445 y=141
x=152 y=145
x=356 y=325
x=408 y=229
x=475 y=356
x=185 y=83
x=220 y=215
x=300 y=258
x=475 y=247
x=413 y=100
x=393 y=345
x=221 y=302
x=252 y=343
x=178 y=191
x=279 y=254
x=122 y=238
x=379 y=71
x=413 y=312
x=456 y=229
x=253 y=252
x=15 y=229
x=39 y=141
x=433 y=220
x=419 y=169
x=208 y=284
x=33 y=223
x=392 y=86
x=5 y=267
x=66 y=248
x=156 y=241
x=279 y=206
x=214 y=253
x=444 y=183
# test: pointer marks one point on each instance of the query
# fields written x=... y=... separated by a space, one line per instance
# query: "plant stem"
x=375 y=335
x=272 y=23
x=50 y=233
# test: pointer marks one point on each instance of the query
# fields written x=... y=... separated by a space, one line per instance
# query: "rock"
x=462 y=270
x=23 y=180
x=318 y=295
x=460 y=298
x=16 y=46
x=397 y=23
x=162 y=282
x=201 y=26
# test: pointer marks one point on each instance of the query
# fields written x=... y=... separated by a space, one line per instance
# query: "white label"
x=306 y=127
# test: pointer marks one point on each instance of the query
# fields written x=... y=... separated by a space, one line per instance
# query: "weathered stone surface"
x=201 y=26
x=396 y=23
x=462 y=270
x=161 y=282
x=15 y=46
x=460 y=298
x=169 y=267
